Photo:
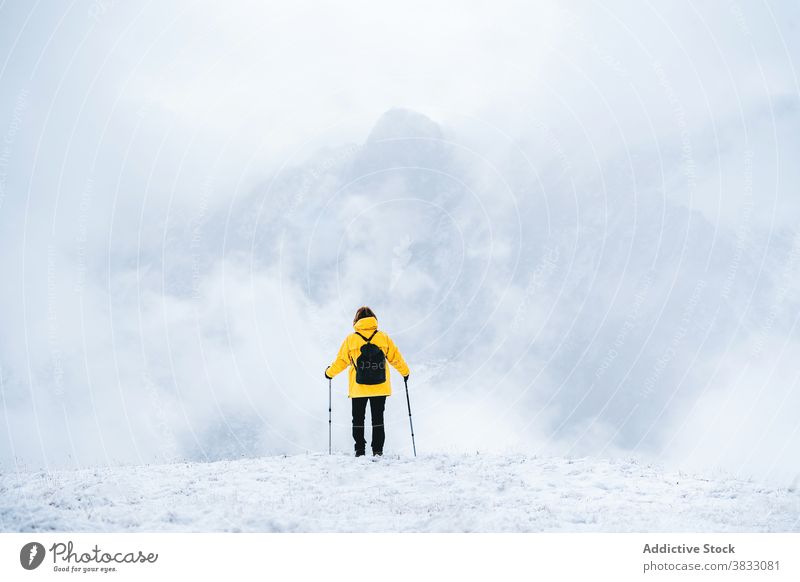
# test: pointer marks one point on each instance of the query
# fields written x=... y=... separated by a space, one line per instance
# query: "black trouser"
x=376 y=406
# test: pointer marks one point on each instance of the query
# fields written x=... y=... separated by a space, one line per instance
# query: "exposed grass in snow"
x=432 y=493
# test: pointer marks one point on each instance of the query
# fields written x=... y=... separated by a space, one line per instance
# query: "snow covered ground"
x=432 y=493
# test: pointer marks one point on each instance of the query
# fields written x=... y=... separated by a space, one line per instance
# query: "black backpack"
x=371 y=364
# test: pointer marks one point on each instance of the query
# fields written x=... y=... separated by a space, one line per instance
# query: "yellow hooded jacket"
x=351 y=350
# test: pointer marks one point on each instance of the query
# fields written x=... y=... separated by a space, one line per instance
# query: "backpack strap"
x=367 y=339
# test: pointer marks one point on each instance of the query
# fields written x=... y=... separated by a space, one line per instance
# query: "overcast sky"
x=578 y=220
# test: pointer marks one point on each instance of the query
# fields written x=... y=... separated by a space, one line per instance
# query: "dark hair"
x=363 y=312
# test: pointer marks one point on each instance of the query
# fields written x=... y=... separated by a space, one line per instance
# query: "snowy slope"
x=433 y=493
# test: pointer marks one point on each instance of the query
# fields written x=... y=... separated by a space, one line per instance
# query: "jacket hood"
x=366 y=325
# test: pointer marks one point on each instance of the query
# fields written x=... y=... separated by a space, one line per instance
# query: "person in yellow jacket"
x=366 y=352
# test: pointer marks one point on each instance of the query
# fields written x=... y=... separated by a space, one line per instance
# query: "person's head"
x=363 y=312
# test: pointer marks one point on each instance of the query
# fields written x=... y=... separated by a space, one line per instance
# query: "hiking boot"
x=377 y=453
x=360 y=453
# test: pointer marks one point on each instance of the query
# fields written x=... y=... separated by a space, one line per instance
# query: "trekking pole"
x=329 y=416
x=410 y=422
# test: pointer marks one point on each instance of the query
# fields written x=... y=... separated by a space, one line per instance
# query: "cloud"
x=571 y=220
